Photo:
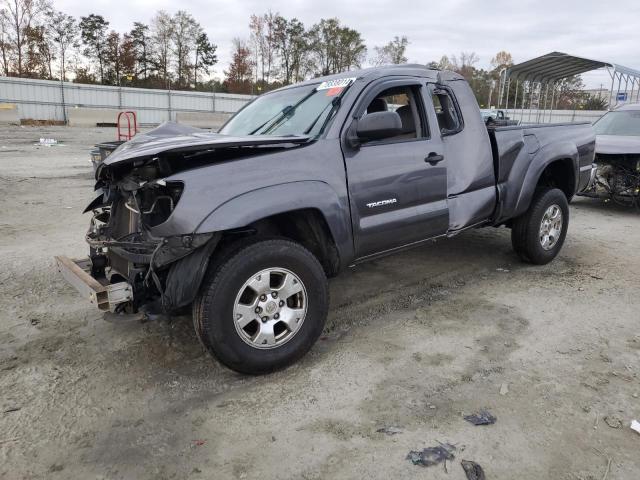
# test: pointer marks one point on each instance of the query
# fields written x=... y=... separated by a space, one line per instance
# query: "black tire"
x=525 y=232
x=213 y=310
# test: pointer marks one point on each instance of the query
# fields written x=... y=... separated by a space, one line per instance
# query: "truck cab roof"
x=373 y=73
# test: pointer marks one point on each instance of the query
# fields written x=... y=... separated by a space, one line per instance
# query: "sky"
x=525 y=28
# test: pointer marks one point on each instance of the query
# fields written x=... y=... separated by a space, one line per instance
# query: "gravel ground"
x=414 y=341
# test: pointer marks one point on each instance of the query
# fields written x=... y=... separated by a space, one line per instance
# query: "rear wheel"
x=538 y=235
x=263 y=306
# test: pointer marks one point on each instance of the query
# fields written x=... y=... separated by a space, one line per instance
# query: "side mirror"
x=378 y=126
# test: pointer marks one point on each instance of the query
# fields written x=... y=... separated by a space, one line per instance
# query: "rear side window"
x=449 y=120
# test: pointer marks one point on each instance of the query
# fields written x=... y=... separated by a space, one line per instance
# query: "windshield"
x=625 y=122
x=295 y=111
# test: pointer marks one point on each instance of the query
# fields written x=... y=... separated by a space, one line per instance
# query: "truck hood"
x=174 y=137
x=617 y=144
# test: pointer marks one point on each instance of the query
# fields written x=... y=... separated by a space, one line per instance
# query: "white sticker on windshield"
x=337 y=83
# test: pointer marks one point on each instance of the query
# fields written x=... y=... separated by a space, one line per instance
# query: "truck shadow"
x=360 y=293
x=605 y=206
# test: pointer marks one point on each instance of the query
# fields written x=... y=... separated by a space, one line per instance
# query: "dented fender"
x=246 y=208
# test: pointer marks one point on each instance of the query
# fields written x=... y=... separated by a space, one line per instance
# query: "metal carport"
x=539 y=79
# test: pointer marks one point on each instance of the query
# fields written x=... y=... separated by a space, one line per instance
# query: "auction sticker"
x=338 y=83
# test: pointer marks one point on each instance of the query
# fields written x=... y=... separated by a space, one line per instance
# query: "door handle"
x=433 y=158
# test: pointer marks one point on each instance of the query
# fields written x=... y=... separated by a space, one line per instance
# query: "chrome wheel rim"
x=270 y=308
x=551 y=227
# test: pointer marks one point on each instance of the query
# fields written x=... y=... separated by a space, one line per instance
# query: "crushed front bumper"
x=104 y=295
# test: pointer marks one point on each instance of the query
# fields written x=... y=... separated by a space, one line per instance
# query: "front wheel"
x=263 y=307
x=538 y=235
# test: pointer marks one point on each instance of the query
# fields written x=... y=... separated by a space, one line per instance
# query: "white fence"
x=554 y=116
x=52 y=100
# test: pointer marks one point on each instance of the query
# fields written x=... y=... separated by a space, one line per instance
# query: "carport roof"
x=557 y=65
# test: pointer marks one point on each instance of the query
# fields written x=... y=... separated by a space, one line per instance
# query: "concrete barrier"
x=90 y=117
x=202 y=120
x=9 y=114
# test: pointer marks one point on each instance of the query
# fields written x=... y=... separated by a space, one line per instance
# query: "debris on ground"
x=472 y=470
x=504 y=389
x=483 y=417
x=47 y=142
x=613 y=421
x=505 y=270
x=635 y=426
x=432 y=455
x=389 y=430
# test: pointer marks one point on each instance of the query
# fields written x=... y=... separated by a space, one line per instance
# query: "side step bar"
x=104 y=295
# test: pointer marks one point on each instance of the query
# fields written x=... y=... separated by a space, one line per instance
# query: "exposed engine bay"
x=122 y=247
x=617 y=179
x=134 y=197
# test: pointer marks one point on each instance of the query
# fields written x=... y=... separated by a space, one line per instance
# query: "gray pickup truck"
x=244 y=226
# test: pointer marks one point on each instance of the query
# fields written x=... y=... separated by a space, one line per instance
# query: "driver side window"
x=403 y=101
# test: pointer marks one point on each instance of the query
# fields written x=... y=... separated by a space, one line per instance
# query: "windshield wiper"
x=334 y=103
x=286 y=112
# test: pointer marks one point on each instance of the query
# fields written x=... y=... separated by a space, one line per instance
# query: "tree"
x=39 y=54
x=335 y=48
x=350 y=50
x=464 y=64
x=262 y=38
x=93 y=32
x=141 y=47
x=393 y=53
x=64 y=34
x=238 y=76
x=292 y=48
x=19 y=16
x=120 y=60
x=501 y=60
x=5 y=45
x=83 y=75
x=162 y=27
x=569 y=93
x=594 y=102
x=185 y=31
x=445 y=63
x=205 y=56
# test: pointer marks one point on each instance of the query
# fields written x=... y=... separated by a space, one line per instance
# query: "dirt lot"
x=414 y=341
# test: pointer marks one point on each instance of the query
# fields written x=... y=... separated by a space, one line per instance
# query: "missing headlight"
x=156 y=201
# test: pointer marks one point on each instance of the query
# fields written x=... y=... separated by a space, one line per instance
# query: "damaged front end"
x=617 y=178
x=144 y=254
x=128 y=267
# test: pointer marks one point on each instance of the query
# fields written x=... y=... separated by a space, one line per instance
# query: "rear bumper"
x=106 y=296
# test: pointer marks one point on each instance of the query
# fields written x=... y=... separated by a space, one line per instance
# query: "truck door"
x=397 y=185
